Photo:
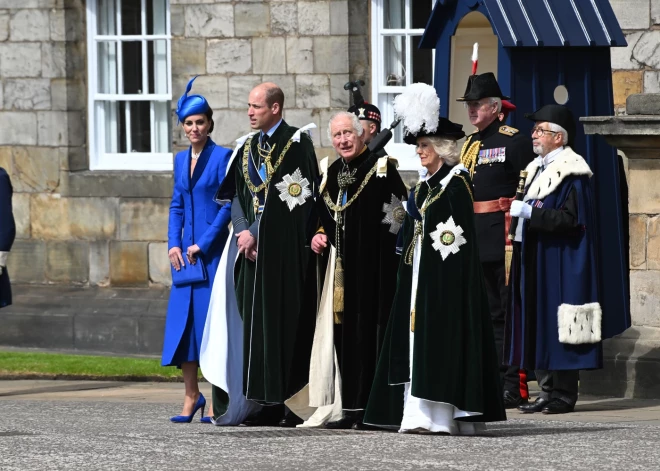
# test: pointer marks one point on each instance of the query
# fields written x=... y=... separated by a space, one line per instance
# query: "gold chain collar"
x=270 y=169
x=342 y=207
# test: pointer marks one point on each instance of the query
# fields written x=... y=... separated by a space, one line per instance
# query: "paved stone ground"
x=58 y=425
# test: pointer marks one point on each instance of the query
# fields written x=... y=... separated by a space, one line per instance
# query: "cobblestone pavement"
x=58 y=425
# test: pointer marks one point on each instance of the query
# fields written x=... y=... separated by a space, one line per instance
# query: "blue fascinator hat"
x=191 y=104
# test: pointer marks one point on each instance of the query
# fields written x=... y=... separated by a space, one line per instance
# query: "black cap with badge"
x=557 y=114
x=361 y=108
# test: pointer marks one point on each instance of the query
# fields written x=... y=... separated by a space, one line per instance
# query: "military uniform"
x=495 y=156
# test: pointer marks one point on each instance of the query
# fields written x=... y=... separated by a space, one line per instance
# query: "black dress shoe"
x=557 y=406
x=290 y=420
x=536 y=406
x=268 y=416
x=348 y=420
x=511 y=401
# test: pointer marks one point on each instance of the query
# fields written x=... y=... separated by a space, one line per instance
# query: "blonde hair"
x=445 y=148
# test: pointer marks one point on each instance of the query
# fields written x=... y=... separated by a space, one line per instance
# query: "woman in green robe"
x=438 y=370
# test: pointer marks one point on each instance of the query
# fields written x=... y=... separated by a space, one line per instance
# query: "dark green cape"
x=454 y=351
x=370 y=263
x=277 y=295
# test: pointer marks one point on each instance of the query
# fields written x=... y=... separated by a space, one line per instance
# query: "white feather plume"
x=475 y=52
x=418 y=107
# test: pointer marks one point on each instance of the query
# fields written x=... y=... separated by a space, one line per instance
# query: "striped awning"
x=534 y=23
x=538 y=23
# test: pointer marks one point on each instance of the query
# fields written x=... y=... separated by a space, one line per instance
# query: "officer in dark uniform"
x=494 y=155
x=368 y=114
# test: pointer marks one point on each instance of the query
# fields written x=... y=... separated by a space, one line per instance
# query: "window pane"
x=140 y=126
x=156 y=17
x=105 y=17
x=422 y=63
x=107 y=67
x=132 y=66
x=161 y=126
x=394 y=14
x=395 y=60
x=157 y=58
x=421 y=12
x=130 y=17
x=112 y=116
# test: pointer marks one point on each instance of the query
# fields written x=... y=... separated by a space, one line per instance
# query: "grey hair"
x=345 y=114
x=497 y=101
x=445 y=148
x=558 y=129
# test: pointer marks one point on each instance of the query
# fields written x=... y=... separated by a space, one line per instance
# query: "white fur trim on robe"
x=221 y=356
x=579 y=324
x=565 y=164
x=320 y=401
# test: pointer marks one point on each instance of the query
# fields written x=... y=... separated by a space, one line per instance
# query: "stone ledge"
x=127 y=184
x=119 y=321
x=643 y=104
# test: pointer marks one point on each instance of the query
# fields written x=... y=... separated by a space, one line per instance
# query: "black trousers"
x=495 y=278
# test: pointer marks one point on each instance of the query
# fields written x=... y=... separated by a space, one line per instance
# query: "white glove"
x=3 y=261
x=521 y=210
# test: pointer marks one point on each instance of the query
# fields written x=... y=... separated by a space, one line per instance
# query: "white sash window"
x=130 y=86
x=397 y=27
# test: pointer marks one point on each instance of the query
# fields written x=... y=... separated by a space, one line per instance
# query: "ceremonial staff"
x=520 y=192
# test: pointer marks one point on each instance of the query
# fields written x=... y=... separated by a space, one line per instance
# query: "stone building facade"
x=108 y=228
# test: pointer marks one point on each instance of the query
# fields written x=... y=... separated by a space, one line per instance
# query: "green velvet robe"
x=276 y=295
x=454 y=358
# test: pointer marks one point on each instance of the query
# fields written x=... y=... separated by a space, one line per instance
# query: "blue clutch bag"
x=189 y=273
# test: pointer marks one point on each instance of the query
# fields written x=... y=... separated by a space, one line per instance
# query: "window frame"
x=99 y=159
x=404 y=153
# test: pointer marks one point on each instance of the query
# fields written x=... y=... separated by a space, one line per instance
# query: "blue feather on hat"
x=189 y=105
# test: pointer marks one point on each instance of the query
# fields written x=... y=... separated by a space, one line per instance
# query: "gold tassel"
x=412 y=321
x=338 y=295
x=508 y=257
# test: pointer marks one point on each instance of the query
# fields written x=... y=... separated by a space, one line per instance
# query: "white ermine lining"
x=565 y=164
x=579 y=324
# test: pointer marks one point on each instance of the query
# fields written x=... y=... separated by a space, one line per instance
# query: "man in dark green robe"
x=361 y=212
x=275 y=285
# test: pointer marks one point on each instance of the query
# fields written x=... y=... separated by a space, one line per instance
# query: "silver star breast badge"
x=447 y=238
x=394 y=214
x=294 y=189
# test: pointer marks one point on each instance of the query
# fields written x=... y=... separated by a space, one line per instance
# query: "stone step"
x=85 y=319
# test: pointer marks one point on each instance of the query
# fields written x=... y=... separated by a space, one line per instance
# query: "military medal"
x=394 y=214
x=447 y=238
x=294 y=189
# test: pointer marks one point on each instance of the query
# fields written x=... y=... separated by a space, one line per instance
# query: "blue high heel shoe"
x=186 y=419
x=206 y=420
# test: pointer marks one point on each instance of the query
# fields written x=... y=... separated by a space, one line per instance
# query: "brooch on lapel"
x=294 y=189
x=394 y=214
x=447 y=238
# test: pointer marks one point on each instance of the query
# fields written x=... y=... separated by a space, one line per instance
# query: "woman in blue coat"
x=7 y=234
x=198 y=229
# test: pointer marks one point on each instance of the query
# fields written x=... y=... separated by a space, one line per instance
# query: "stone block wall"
x=309 y=48
x=82 y=227
x=636 y=68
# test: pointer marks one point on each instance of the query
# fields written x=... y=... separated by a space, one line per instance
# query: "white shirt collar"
x=548 y=159
x=273 y=129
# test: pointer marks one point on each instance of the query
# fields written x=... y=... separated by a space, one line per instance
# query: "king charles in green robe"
x=438 y=371
x=360 y=210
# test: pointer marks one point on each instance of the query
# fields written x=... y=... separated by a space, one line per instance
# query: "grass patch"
x=56 y=365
